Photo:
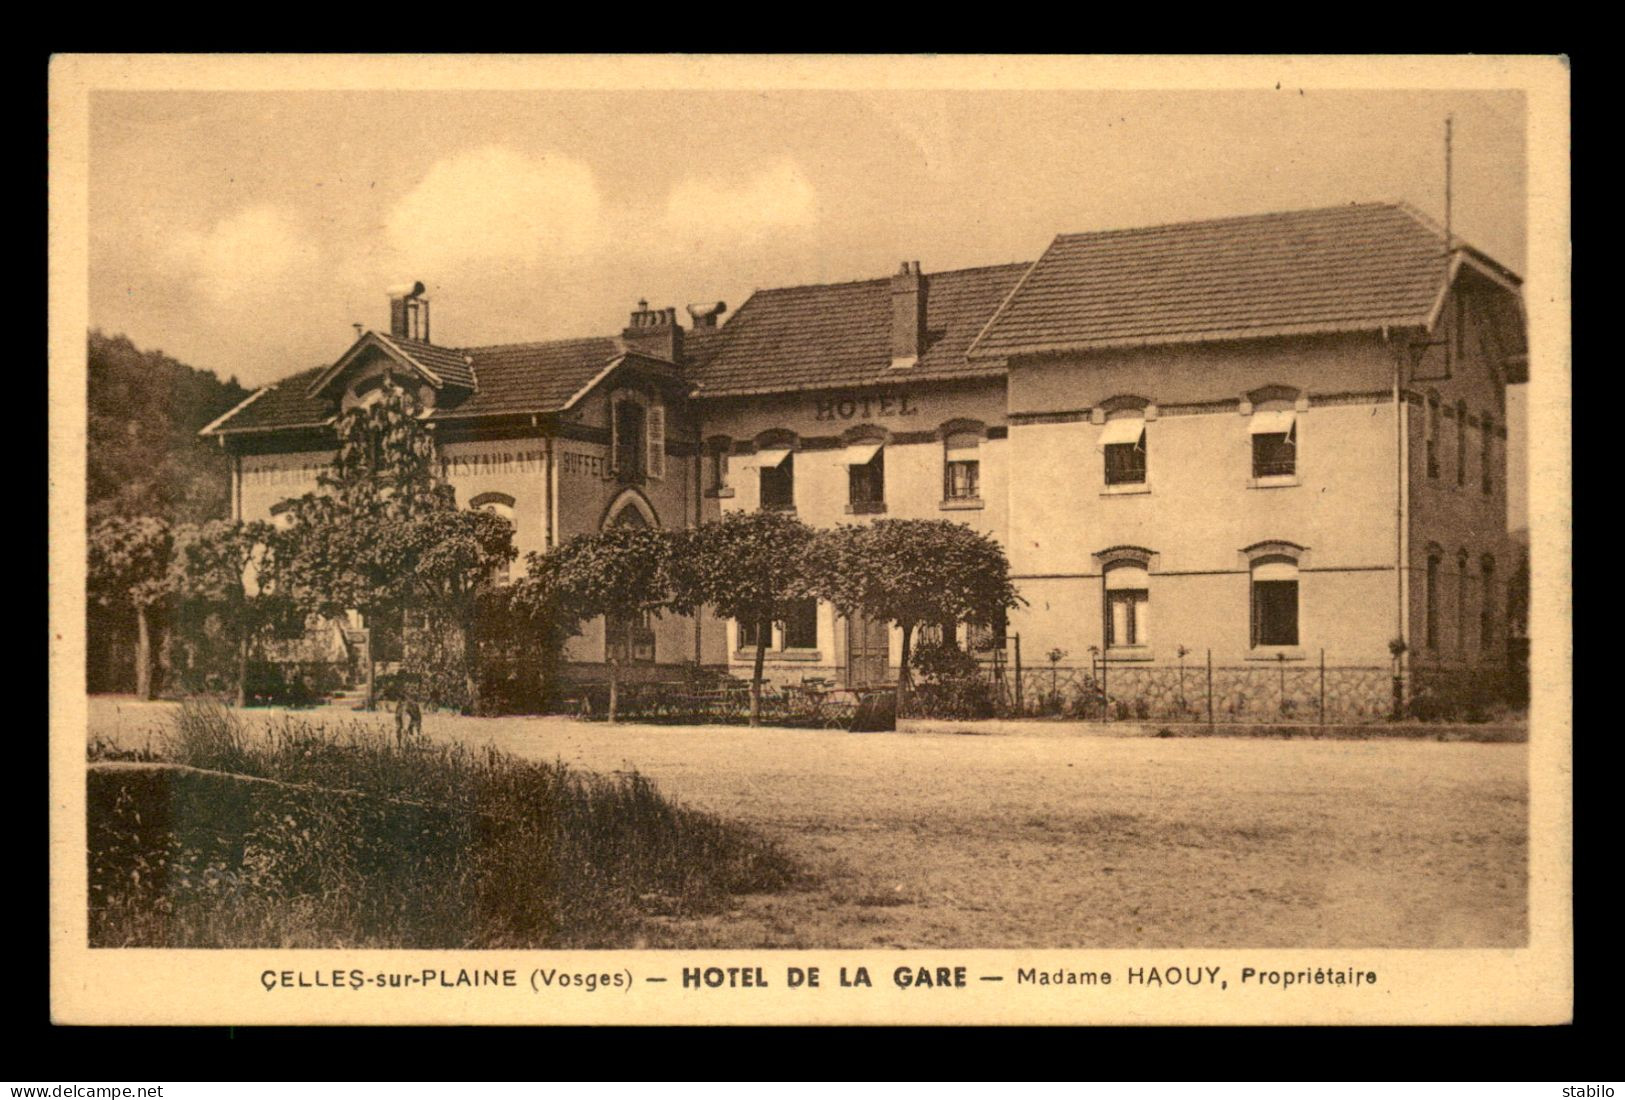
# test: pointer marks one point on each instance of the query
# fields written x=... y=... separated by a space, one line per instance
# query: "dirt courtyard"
x=1051 y=837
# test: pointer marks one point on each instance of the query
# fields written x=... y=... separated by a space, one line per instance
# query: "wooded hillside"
x=144 y=456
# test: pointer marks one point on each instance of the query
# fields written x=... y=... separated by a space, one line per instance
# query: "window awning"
x=1120 y=577
x=1127 y=430
x=1272 y=422
x=861 y=454
x=767 y=458
x=1275 y=569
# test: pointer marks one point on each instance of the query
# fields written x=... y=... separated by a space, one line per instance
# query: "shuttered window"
x=657 y=441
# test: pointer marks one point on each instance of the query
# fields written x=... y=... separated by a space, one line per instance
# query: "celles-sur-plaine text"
x=549 y=979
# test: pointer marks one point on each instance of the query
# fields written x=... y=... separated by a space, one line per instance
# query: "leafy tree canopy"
x=129 y=561
x=619 y=572
x=348 y=546
x=144 y=456
x=911 y=571
x=747 y=566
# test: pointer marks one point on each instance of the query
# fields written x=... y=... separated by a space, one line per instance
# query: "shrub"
x=358 y=843
x=206 y=734
x=949 y=683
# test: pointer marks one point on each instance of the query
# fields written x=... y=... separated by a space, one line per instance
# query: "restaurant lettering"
x=493 y=463
x=866 y=407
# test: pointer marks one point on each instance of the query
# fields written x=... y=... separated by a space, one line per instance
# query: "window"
x=962 y=467
x=1431 y=426
x=801 y=625
x=1431 y=596
x=498 y=504
x=1461 y=602
x=717 y=468
x=778 y=480
x=628 y=445
x=1275 y=443
x=1123 y=440
x=936 y=634
x=745 y=635
x=1461 y=443
x=1128 y=605
x=866 y=477
x=1487 y=458
x=986 y=639
x=630 y=640
x=1275 y=601
x=1486 y=605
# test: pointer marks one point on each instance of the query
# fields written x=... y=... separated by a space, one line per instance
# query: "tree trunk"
x=614 y=687
x=762 y=630
x=369 y=631
x=143 y=654
x=470 y=657
x=242 y=671
x=903 y=680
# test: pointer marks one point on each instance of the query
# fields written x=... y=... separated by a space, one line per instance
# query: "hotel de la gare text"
x=1277 y=438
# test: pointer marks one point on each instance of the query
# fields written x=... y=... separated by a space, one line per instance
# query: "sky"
x=245 y=232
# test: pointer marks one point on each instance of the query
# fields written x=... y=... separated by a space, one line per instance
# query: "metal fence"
x=1195 y=689
x=1200 y=691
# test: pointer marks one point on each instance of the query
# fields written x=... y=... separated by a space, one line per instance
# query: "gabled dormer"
x=436 y=376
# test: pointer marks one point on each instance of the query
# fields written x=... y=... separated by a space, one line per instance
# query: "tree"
x=621 y=573
x=912 y=571
x=144 y=456
x=747 y=567
x=230 y=571
x=129 y=569
x=448 y=559
x=344 y=549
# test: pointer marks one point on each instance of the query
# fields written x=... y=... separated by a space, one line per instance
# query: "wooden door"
x=868 y=656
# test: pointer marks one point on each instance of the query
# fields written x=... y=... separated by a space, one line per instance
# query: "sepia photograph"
x=1089 y=519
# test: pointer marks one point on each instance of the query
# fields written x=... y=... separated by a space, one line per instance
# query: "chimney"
x=907 y=314
x=703 y=316
x=654 y=332
x=408 y=312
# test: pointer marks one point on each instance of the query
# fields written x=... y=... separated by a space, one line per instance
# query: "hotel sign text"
x=865 y=407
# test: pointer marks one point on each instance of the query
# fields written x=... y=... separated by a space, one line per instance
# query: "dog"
x=408 y=721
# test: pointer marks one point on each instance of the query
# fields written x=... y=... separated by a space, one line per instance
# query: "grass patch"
x=316 y=835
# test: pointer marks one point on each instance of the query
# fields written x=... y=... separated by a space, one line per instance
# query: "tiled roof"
x=839 y=334
x=539 y=377
x=513 y=378
x=1337 y=269
x=284 y=404
x=449 y=364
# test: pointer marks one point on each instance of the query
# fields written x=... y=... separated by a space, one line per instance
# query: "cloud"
x=255 y=248
x=493 y=204
x=778 y=197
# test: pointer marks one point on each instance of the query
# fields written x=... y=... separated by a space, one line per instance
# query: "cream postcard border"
x=1531 y=985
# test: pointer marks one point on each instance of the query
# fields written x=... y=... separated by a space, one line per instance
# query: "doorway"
x=868 y=651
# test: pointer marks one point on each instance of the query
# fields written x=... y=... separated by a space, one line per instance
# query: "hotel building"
x=1276 y=438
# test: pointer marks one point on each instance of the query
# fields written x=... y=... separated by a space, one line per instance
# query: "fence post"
x=1210 y=688
x=1020 y=708
x=1323 y=685
x=1105 y=699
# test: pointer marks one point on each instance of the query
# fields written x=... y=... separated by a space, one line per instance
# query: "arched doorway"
x=632 y=640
